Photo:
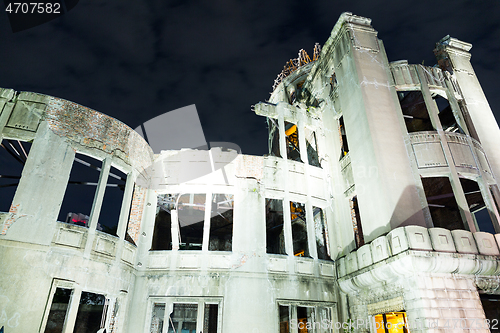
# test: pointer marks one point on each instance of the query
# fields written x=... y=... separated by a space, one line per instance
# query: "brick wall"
x=96 y=130
x=136 y=209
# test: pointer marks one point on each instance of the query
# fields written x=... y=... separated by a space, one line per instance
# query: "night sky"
x=134 y=60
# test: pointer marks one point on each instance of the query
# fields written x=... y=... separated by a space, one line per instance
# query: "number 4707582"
x=33 y=8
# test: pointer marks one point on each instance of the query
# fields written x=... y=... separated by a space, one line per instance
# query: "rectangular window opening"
x=356 y=223
x=442 y=204
x=162 y=234
x=305 y=318
x=292 y=142
x=415 y=111
x=312 y=148
x=211 y=318
x=477 y=206
x=275 y=240
x=58 y=310
x=491 y=307
x=274 y=137
x=221 y=222
x=446 y=116
x=191 y=215
x=112 y=201
x=284 y=313
x=344 y=147
x=299 y=229
x=80 y=191
x=321 y=234
x=295 y=316
x=333 y=82
x=157 y=318
x=183 y=318
x=391 y=322
x=13 y=156
x=91 y=313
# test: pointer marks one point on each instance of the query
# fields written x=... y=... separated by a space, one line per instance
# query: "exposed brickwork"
x=11 y=218
x=136 y=209
x=96 y=130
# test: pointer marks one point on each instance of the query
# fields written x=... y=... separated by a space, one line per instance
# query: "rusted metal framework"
x=293 y=64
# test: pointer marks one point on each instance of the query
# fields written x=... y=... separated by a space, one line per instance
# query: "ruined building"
x=378 y=204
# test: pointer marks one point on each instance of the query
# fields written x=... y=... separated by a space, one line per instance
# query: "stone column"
x=453 y=55
x=385 y=186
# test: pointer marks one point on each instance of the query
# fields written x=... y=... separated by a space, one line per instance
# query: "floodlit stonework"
x=377 y=205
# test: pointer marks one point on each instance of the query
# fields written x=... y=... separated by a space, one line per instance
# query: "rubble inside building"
x=376 y=209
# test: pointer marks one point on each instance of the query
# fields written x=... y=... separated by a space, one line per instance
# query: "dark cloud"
x=134 y=60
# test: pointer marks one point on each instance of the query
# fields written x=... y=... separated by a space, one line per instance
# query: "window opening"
x=321 y=234
x=391 y=322
x=58 y=310
x=284 y=313
x=162 y=234
x=157 y=317
x=333 y=81
x=211 y=318
x=344 y=148
x=446 y=116
x=191 y=214
x=112 y=201
x=91 y=313
x=299 y=229
x=491 y=307
x=186 y=315
x=274 y=137
x=275 y=240
x=312 y=148
x=292 y=142
x=305 y=319
x=415 y=111
x=356 y=222
x=80 y=191
x=13 y=156
x=442 y=204
x=476 y=205
x=183 y=318
x=294 y=316
x=221 y=222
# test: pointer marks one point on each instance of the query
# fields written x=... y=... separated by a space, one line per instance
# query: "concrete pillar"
x=454 y=180
x=206 y=223
x=41 y=189
x=97 y=204
x=74 y=303
x=386 y=190
x=453 y=55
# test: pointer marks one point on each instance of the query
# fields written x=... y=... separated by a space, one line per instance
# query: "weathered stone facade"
x=368 y=206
